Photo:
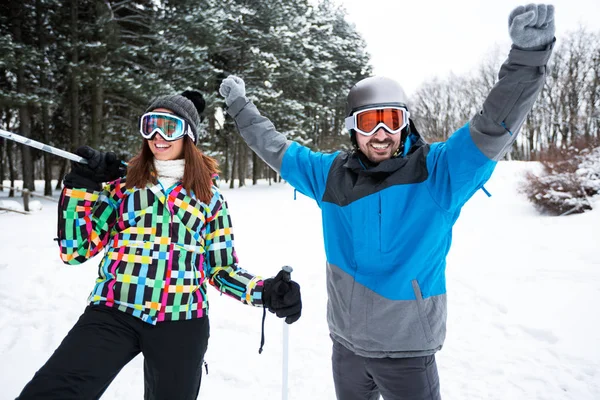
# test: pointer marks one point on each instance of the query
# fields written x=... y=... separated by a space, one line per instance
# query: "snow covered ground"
x=524 y=299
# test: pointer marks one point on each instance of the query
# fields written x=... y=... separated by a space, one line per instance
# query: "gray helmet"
x=376 y=90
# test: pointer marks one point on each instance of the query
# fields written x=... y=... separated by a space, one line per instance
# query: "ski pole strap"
x=262 y=331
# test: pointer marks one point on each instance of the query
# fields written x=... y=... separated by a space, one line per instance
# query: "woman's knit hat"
x=189 y=105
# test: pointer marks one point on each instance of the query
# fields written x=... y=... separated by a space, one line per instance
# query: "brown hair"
x=198 y=171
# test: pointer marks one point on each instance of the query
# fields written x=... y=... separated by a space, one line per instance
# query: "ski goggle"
x=368 y=121
x=169 y=126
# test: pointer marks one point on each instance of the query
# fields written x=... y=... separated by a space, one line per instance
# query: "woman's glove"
x=101 y=167
x=532 y=25
x=282 y=297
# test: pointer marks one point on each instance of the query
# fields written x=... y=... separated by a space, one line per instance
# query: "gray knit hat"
x=187 y=105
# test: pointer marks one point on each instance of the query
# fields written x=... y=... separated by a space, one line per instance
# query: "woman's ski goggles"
x=368 y=121
x=169 y=126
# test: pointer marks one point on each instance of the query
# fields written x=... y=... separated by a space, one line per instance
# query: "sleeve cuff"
x=535 y=57
x=237 y=106
x=256 y=291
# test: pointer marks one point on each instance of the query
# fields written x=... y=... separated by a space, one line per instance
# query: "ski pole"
x=38 y=145
x=284 y=370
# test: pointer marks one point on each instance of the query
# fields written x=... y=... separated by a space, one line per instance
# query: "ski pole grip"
x=287 y=276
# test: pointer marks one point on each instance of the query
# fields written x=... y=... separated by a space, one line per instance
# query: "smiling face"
x=380 y=146
x=162 y=149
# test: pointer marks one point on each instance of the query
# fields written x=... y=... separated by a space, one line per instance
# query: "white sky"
x=414 y=41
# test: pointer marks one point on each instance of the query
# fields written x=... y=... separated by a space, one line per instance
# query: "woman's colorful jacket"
x=160 y=248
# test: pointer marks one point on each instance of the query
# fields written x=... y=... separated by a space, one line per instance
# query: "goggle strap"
x=190 y=133
x=350 y=122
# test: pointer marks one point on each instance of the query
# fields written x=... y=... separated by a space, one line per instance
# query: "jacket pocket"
x=422 y=311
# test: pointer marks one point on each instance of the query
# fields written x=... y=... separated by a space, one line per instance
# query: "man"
x=388 y=208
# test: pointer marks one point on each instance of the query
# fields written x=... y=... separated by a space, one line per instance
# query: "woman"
x=165 y=231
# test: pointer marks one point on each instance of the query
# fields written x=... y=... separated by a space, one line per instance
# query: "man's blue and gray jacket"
x=388 y=228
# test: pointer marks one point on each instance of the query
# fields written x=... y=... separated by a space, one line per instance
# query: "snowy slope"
x=523 y=296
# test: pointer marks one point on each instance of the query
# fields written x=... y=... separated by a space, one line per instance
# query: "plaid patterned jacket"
x=160 y=248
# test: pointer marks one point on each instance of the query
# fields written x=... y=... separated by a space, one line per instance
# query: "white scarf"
x=169 y=172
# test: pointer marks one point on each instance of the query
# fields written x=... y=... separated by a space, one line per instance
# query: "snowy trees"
x=82 y=71
x=562 y=131
x=567 y=110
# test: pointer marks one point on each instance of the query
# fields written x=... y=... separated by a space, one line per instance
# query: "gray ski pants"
x=360 y=378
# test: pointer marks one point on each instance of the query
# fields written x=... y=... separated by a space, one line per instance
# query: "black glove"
x=101 y=167
x=282 y=297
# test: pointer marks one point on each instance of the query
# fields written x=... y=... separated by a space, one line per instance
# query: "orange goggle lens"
x=392 y=118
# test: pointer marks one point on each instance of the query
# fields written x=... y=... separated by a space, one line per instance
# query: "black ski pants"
x=104 y=340
x=361 y=378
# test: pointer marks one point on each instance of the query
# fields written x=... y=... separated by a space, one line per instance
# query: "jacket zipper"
x=380 y=225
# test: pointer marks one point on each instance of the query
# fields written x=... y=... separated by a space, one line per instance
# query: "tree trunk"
x=74 y=83
x=5 y=146
x=593 y=90
x=22 y=90
x=226 y=167
x=532 y=131
x=47 y=158
x=242 y=160
x=12 y=174
x=241 y=157
x=97 y=103
x=269 y=175
x=234 y=149
x=2 y=168
x=98 y=58
x=256 y=166
x=61 y=174
x=42 y=43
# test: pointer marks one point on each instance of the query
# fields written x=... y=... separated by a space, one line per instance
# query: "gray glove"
x=232 y=88
x=531 y=25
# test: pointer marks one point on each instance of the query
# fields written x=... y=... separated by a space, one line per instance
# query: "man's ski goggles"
x=169 y=126
x=368 y=121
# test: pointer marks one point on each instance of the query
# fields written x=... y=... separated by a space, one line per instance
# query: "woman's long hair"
x=197 y=174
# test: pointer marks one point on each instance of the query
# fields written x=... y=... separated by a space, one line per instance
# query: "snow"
x=34 y=205
x=523 y=292
x=11 y=205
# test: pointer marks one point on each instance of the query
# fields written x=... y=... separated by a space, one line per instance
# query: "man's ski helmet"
x=375 y=91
